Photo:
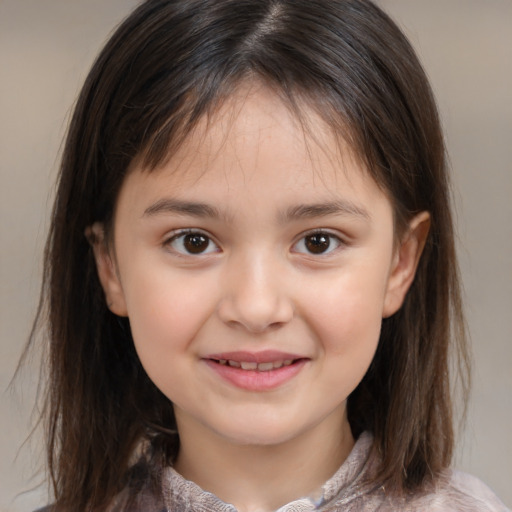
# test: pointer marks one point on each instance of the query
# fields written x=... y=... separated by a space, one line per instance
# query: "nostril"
x=256 y=303
x=253 y=319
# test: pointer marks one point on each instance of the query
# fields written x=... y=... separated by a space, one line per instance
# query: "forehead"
x=254 y=142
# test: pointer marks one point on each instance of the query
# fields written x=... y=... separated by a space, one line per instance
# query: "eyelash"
x=328 y=238
x=190 y=232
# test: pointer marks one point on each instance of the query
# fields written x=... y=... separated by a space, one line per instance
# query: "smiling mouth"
x=256 y=371
x=254 y=366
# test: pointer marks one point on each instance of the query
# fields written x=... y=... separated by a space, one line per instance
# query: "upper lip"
x=265 y=356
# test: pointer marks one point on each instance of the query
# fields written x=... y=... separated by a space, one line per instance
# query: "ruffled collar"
x=344 y=486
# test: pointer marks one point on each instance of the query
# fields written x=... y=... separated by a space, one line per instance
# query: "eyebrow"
x=303 y=211
x=182 y=207
x=340 y=207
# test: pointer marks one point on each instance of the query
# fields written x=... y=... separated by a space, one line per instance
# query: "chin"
x=257 y=439
x=258 y=433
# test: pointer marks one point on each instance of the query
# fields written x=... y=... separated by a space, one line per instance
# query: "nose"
x=255 y=296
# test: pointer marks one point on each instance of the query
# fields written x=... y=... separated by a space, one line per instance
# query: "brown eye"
x=317 y=243
x=194 y=243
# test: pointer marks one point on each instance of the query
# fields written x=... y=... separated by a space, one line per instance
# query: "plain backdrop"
x=46 y=48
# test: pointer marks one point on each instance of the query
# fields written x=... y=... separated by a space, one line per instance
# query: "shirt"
x=346 y=491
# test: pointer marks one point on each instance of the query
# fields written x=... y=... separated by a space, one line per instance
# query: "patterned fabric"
x=345 y=491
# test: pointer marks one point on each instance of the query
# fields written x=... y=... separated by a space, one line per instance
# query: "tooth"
x=234 y=364
x=287 y=362
x=249 y=366
x=277 y=364
x=223 y=361
x=265 y=367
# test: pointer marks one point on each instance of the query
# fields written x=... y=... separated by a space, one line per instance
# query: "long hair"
x=169 y=64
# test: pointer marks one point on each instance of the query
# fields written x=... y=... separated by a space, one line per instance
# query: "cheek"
x=346 y=319
x=349 y=307
x=165 y=314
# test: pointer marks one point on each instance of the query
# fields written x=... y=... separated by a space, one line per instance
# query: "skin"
x=257 y=286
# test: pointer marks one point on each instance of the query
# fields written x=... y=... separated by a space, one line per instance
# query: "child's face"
x=251 y=246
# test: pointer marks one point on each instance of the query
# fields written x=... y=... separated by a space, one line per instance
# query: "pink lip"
x=265 y=356
x=254 y=380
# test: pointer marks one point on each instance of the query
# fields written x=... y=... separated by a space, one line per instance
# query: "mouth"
x=254 y=366
x=260 y=371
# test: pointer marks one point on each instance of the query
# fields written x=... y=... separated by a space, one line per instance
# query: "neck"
x=237 y=473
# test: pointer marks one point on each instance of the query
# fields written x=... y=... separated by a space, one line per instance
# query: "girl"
x=251 y=280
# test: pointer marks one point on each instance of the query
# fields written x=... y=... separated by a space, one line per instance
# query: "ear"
x=405 y=263
x=107 y=271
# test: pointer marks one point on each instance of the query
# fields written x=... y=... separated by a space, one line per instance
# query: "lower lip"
x=253 y=380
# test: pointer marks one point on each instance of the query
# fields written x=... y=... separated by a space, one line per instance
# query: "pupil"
x=317 y=244
x=196 y=244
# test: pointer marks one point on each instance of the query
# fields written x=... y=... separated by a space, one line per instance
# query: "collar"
x=343 y=486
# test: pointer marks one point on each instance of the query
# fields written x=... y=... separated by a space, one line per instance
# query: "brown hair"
x=167 y=66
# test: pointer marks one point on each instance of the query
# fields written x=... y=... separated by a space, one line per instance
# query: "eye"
x=319 y=242
x=192 y=242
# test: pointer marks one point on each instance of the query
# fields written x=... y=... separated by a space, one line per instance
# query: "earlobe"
x=405 y=263
x=107 y=272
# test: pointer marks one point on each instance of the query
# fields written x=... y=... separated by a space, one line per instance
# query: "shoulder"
x=143 y=501
x=453 y=491
x=459 y=492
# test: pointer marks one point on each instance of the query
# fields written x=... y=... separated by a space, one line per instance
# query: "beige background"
x=46 y=46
